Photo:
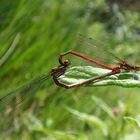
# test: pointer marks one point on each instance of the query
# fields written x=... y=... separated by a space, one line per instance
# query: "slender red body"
x=122 y=65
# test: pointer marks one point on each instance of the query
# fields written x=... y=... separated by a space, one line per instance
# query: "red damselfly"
x=55 y=73
x=121 y=66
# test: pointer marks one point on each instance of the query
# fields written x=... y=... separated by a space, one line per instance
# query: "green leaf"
x=32 y=123
x=103 y=106
x=59 y=134
x=79 y=74
x=133 y=136
x=91 y=120
x=133 y=121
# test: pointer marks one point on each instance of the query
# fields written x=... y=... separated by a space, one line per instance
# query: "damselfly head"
x=61 y=68
x=66 y=62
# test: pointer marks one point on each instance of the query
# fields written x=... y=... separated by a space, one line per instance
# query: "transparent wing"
x=107 y=50
x=4 y=100
x=13 y=101
x=97 y=50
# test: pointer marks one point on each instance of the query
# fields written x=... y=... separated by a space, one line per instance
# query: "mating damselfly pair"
x=55 y=73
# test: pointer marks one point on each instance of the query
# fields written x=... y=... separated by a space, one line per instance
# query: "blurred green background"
x=38 y=31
